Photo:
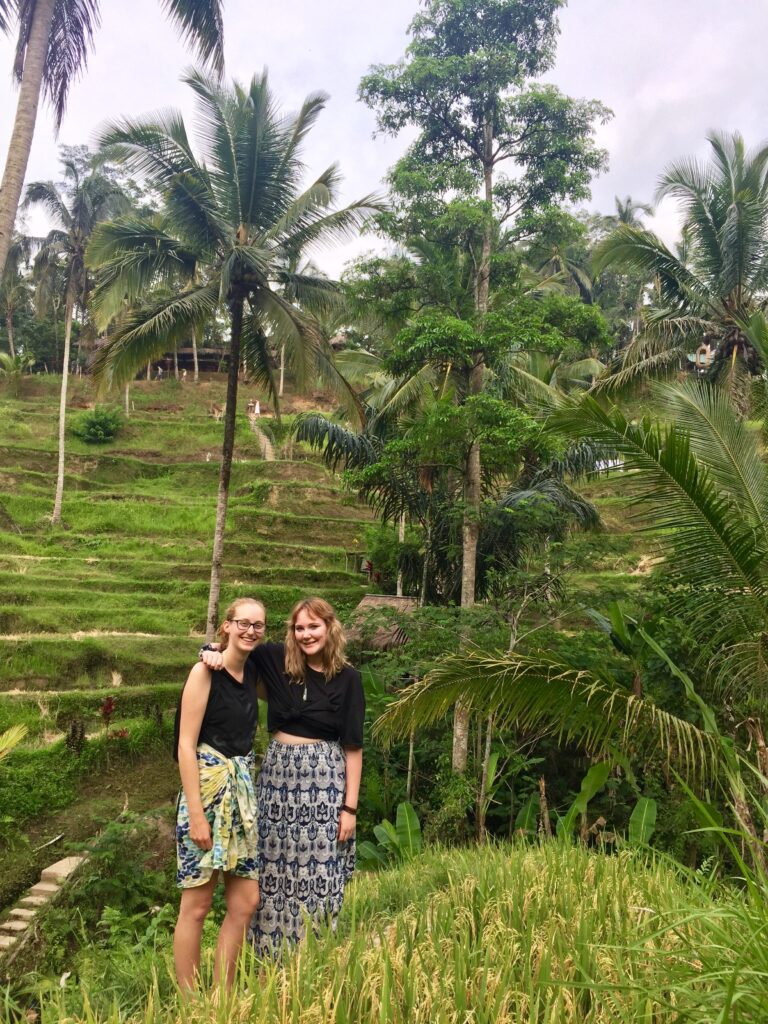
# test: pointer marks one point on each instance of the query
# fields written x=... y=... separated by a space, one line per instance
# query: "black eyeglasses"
x=243 y=625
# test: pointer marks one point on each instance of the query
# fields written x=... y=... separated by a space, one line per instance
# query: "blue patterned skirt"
x=302 y=867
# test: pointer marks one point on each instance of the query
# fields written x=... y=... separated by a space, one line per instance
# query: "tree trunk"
x=230 y=414
x=195 y=372
x=481 y=810
x=149 y=371
x=68 y=313
x=470 y=531
x=401 y=540
x=127 y=401
x=176 y=361
x=9 y=329
x=24 y=124
x=425 y=567
x=282 y=371
x=545 y=826
x=409 y=776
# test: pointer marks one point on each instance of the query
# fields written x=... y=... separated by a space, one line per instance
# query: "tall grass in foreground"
x=503 y=935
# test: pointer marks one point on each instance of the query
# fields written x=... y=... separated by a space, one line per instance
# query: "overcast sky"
x=671 y=70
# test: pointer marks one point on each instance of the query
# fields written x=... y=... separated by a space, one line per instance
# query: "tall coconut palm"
x=239 y=213
x=53 y=40
x=76 y=208
x=718 y=278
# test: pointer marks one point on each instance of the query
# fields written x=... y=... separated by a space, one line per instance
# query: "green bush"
x=98 y=426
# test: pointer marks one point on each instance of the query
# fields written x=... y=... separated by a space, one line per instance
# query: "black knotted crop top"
x=332 y=709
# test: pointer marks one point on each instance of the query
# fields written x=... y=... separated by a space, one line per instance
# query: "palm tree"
x=717 y=279
x=13 y=286
x=54 y=37
x=628 y=212
x=703 y=478
x=76 y=208
x=239 y=214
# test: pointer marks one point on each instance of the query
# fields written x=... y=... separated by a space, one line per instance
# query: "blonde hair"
x=335 y=644
x=230 y=613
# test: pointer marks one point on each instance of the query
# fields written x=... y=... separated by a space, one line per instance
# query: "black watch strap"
x=349 y=810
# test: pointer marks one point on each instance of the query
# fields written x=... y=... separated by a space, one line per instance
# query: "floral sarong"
x=229 y=802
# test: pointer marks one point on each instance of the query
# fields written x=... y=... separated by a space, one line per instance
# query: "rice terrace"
x=383 y=513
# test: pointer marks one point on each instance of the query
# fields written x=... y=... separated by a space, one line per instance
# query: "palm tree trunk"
x=236 y=312
x=24 y=124
x=127 y=401
x=176 y=361
x=9 y=329
x=149 y=371
x=282 y=371
x=401 y=541
x=195 y=372
x=481 y=830
x=57 y=501
x=409 y=776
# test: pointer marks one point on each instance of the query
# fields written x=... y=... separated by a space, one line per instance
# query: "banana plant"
x=396 y=844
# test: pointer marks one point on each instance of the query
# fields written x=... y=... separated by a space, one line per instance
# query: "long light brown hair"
x=231 y=612
x=335 y=643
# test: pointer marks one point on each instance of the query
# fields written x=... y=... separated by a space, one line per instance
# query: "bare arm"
x=193 y=704
x=354 y=771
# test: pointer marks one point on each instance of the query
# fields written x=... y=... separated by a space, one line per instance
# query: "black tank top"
x=231 y=715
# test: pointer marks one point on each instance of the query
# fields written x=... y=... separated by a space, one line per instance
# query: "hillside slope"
x=112 y=605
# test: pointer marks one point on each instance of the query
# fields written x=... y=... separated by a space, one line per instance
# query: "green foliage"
x=99 y=426
x=436 y=338
x=45 y=779
x=397 y=843
x=642 y=821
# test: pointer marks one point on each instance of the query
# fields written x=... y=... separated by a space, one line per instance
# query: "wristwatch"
x=349 y=810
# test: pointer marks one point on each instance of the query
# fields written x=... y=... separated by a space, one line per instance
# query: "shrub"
x=99 y=426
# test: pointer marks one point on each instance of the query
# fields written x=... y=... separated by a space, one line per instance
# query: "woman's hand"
x=200 y=832
x=212 y=659
x=347 y=824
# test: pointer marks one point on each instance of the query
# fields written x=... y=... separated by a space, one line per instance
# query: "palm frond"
x=11 y=738
x=540 y=693
x=201 y=24
x=340 y=445
x=714 y=553
x=723 y=443
x=552 y=491
x=146 y=332
x=132 y=255
x=255 y=350
x=47 y=195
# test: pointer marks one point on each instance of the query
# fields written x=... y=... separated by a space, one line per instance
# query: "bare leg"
x=195 y=904
x=242 y=899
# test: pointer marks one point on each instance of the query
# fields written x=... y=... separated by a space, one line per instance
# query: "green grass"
x=502 y=935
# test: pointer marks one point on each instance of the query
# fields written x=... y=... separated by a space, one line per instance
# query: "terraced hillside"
x=100 y=619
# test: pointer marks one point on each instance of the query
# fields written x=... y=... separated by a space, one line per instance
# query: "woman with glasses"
x=309 y=781
x=216 y=814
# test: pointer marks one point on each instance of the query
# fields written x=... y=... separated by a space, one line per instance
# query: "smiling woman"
x=215 y=822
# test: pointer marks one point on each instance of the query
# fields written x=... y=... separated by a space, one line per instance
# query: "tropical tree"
x=14 y=287
x=52 y=44
x=717 y=279
x=75 y=207
x=466 y=84
x=702 y=476
x=239 y=213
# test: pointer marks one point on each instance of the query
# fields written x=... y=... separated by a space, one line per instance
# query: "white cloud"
x=671 y=70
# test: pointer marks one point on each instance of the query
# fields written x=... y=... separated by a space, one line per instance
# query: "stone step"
x=61 y=870
x=24 y=913
x=13 y=926
x=6 y=941
x=33 y=901
x=46 y=889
